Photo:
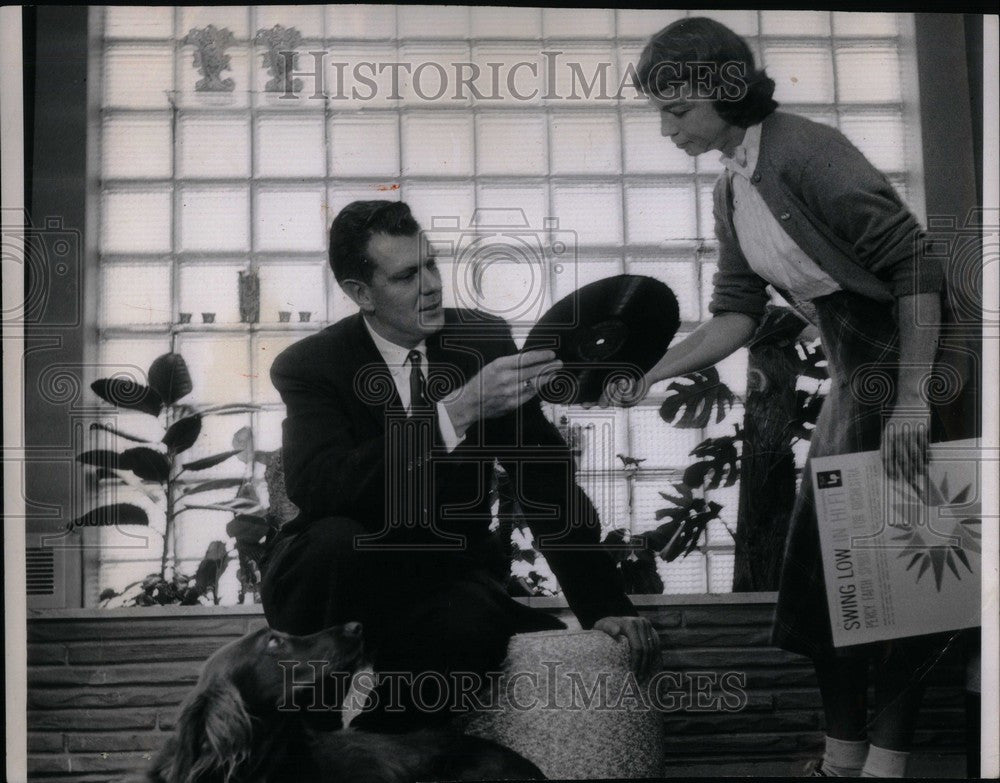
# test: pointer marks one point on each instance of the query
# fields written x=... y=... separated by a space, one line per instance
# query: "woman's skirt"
x=861 y=343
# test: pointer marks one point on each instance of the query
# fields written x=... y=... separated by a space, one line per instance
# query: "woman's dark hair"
x=714 y=62
x=355 y=225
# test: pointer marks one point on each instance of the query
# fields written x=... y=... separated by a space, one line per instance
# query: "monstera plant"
x=161 y=471
x=691 y=403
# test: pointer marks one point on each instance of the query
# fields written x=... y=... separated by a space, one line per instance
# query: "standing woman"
x=800 y=208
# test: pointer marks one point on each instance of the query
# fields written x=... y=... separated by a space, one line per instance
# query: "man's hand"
x=904 y=444
x=501 y=386
x=642 y=639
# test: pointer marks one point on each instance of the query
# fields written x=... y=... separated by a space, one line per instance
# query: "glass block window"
x=211 y=175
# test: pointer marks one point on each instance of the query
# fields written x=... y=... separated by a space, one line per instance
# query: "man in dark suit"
x=396 y=418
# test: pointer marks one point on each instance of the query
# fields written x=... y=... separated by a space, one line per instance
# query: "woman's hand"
x=709 y=344
x=905 y=439
x=623 y=392
x=907 y=432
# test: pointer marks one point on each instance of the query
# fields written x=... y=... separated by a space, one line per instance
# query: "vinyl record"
x=614 y=328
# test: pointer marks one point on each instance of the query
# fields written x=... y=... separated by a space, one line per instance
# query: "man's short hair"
x=680 y=52
x=355 y=225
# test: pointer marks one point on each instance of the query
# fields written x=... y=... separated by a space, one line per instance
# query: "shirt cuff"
x=448 y=434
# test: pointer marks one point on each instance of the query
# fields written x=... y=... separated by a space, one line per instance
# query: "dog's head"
x=267 y=668
x=258 y=679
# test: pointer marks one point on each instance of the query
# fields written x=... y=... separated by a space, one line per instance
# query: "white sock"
x=885 y=763
x=843 y=758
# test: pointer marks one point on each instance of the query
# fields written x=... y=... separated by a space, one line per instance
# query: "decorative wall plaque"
x=210 y=44
x=280 y=42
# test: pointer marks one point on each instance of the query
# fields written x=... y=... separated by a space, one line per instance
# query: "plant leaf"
x=243 y=440
x=264 y=457
x=248 y=492
x=115 y=431
x=247 y=528
x=683 y=533
x=128 y=394
x=115 y=514
x=213 y=484
x=211 y=567
x=640 y=574
x=146 y=463
x=694 y=474
x=529 y=556
x=210 y=462
x=684 y=499
x=703 y=392
x=169 y=377
x=183 y=433
x=228 y=409
x=233 y=506
x=813 y=363
x=614 y=544
x=719 y=458
x=807 y=408
x=100 y=458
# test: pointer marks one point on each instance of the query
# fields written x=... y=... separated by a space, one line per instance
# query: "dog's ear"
x=214 y=735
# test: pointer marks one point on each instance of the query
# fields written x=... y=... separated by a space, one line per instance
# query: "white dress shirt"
x=768 y=249
x=395 y=358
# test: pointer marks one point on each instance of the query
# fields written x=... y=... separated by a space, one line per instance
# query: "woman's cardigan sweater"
x=836 y=206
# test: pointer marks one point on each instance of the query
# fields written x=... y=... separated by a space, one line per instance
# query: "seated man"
x=396 y=417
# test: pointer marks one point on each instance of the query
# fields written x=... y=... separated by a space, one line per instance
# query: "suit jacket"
x=343 y=458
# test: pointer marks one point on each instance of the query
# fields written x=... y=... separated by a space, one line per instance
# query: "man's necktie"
x=418 y=385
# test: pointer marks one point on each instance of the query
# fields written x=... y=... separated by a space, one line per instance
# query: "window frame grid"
x=702 y=245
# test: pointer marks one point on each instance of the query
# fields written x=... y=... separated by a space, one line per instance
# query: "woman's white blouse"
x=768 y=249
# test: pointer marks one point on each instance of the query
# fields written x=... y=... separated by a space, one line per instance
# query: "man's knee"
x=471 y=623
x=314 y=577
x=331 y=540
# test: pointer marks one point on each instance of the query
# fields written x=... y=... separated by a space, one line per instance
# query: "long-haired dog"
x=239 y=725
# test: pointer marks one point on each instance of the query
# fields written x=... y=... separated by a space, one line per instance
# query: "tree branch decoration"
x=280 y=58
x=160 y=471
x=210 y=44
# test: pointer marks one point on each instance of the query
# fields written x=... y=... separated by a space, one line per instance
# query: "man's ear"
x=360 y=294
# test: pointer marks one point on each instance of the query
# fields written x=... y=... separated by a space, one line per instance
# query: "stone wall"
x=104 y=686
